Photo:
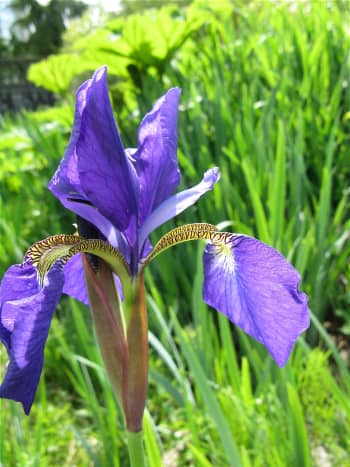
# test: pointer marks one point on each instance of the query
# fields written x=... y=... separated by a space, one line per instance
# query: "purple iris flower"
x=120 y=196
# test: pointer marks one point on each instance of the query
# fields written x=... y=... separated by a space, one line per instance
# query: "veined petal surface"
x=95 y=168
x=177 y=203
x=257 y=289
x=103 y=167
x=103 y=225
x=19 y=281
x=155 y=160
x=66 y=180
x=74 y=280
x=26 y=320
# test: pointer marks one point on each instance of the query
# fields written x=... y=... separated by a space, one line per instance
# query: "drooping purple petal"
x=257 y=289
x=155 y=160
x=19 y=281
x=26 y=320
x=74 y=280
x=172 y=206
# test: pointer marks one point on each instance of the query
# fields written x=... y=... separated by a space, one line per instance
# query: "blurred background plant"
x=266 y=97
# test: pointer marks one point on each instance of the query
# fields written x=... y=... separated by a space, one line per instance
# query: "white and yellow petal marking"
x=45 y=253
x=224 y=255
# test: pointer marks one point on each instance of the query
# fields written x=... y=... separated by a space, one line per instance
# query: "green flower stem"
x=135 y=446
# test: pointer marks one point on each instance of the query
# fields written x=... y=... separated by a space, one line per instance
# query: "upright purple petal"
x=172 y=206
x=66 y=186
x=95 y=168
x=92 y=215
x=104 y=170
x=257 y=289
x=26 y=320
x=155 y=160
x=66 y=180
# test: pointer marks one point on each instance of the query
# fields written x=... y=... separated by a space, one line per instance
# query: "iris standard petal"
x=66 y=186
x=27 y=320
x=66 y=181
x=172 y=206
x=257 y=289
x=155 y=160
x=104 y=171
x=92 y=215
x=74 y=280
x=95 y=169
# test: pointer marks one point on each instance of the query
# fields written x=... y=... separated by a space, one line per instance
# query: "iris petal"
x=18 y=281
x=89 y=213
x=155 y=160
x=74 y=280
x=66 y=179
x=95 y=168
x=257 y=289
x=174 y=205
x=26 y=321
x=103 y=167
x=66 y=186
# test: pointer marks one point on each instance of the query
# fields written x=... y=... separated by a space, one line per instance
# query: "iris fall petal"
x=19 y=281
x=257 y=289
x=26 y=319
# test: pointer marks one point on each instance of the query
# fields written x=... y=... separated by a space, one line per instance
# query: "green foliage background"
x=266 y=97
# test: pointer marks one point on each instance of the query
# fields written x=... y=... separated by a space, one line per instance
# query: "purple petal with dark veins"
x=257 y=289
x=66 y=186
x=89 y=213
x=18 y=281
x=104 y=169
x=172 y=206
x=74 y=280
x=95 y=168
x=155 y=160
x=66 y=180
x=25 y=316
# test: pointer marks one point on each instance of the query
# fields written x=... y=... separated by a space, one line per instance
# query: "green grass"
x=266 y=98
